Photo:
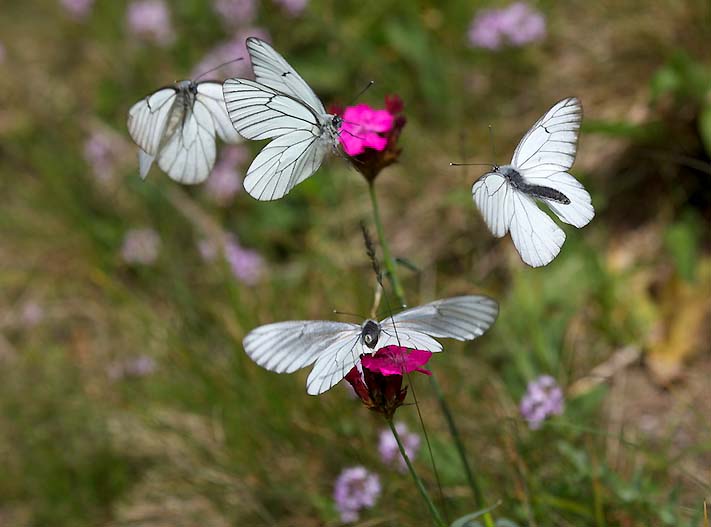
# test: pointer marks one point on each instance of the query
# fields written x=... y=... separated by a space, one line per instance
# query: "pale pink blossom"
x=293 y=7
x=236 y=13
x=150 y=21
x=77 y=9
x=140 y=246
x=226 y=178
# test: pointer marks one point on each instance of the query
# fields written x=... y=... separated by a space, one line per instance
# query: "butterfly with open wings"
x=507 y=196
x=177 y=125
x=335 y=347
x=280 y=106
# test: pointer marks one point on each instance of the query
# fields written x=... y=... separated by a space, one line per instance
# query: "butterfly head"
x=337 y=121
x=370 y=333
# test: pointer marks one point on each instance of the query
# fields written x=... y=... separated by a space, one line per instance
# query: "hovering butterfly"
x=279 y=106
x=507 y=196
x=176 y=125
x=335 y=347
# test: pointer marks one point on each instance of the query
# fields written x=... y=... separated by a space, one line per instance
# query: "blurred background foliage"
x=125 y=395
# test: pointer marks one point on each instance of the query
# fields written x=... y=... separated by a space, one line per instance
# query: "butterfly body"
x=518 y=182
x=370 y=333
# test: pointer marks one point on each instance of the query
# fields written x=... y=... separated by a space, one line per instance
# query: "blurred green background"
x=125 y=395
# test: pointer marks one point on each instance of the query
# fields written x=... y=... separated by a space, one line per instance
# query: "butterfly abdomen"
x=535 y=191
x=541 y=192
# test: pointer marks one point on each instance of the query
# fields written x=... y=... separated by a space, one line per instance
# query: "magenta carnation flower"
x=377 y=379
x=363 y=127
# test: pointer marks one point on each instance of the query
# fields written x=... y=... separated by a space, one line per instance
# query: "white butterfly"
x=177 y=126
x=279 y=106
x=506 y=197
x=335 y=347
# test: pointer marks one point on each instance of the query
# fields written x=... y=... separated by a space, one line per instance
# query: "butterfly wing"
x=147 y=121
x=272 y=70
x=545 y=154
x=189 y=151
x=285 y=347
x=536 y=236
x=460 y=318
x=260 y=112
x=210 y=95
x=492 y=194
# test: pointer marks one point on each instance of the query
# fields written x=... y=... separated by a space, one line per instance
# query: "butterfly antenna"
x=493 y=144
x=337 y=312
x=216 y=68
x=361 y=92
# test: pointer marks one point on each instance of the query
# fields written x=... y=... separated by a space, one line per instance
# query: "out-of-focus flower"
x=208 y=250
x=140 y=246
x=542 y=399
x=225 y=180
x=150 y=20
x=236 y=12
x=77 y=9
x=390 y=451
x=247 y=264
x=101 y=152
x=370 y=136
x=377 y=379
x=355 y=489
x=293 y=7
x=229 y=51
x=134 y=367
x=31 y=314
x=516 y=25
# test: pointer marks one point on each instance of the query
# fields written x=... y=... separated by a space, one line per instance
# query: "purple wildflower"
x=293 y=7
x=150 y=20
x=31 y=314
x=229 y=51
x=542 y=399
x=516 y=25
x=140 y=246
x=226 y=180
x=208 y=250
x=355 y=489
x=101 y=152
x=77 y=9
x=389 y=450
x=236 y=12
x=247 y=265
x=134 y=367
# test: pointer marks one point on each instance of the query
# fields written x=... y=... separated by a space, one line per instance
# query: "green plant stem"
x=387 y=257
x=436 y=516
x=457 y=438
x=454 y=431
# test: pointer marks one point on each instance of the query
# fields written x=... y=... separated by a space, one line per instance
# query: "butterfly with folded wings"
x=176 y=126
x=335 y=347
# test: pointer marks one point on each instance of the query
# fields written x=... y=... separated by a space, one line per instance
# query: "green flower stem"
x=454 y=431
x=387 y=257
x=436 y=516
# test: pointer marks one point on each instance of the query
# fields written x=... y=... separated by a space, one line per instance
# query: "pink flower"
x=140 y=246
x=101 y=152
x=390 y=451
x=515 y=25
x=355 y=489
x=377 y=380
x=226 y=180
x=293 y=7
x=361 y=129
x=229 y=51
x=77 y=9
x=395 y=360
x=236 y=12
x=150 y=20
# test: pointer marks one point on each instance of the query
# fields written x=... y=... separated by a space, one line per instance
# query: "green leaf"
x=466 y=520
